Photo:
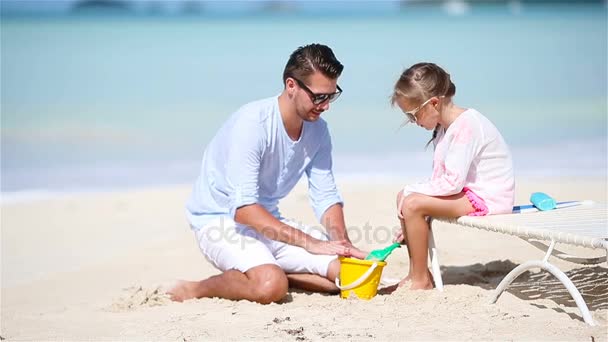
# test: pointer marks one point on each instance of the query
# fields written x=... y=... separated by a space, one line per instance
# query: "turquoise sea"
x=99 y=102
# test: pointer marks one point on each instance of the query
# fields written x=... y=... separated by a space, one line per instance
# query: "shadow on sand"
x=592 y=282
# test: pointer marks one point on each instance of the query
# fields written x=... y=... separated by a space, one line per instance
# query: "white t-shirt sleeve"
x=322 y=188
x=243 y=162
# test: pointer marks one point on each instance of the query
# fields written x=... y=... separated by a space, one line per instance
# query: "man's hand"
x=357 y=253
x=342 y=248
x=316 y=246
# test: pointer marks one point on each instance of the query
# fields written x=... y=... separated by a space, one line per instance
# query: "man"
x=256 y=159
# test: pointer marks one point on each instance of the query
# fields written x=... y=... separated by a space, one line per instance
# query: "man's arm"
x=243 y=160
x=333 y=221
x=325 y=198
x=261 y=220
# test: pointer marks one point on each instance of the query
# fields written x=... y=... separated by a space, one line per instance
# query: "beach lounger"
x=583 y=225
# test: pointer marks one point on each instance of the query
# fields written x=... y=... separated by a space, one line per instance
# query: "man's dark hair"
x=310 y=58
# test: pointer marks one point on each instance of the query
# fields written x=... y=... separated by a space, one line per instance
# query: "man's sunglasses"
x=318 y=99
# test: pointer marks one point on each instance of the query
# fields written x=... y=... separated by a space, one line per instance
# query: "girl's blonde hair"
x=422 y=81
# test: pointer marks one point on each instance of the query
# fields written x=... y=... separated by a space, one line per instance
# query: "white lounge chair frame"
x=582 y=225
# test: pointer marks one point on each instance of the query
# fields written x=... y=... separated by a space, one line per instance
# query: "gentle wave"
x=578 y=159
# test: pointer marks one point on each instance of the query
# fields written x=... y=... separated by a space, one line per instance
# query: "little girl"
x=472 y=166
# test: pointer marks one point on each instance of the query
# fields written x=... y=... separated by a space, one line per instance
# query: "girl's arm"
x=450 y=172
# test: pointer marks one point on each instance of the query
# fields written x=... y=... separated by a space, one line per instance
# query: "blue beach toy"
x=542 y=201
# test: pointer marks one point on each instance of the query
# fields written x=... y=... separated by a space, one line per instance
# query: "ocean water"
x=94 y=103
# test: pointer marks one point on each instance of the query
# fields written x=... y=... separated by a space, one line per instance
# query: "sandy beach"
x=89 y=267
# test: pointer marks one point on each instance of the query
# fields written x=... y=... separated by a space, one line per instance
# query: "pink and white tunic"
x=471 y=156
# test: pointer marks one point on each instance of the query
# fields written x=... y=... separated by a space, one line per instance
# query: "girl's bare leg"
x=409 y=253
x=415 y=209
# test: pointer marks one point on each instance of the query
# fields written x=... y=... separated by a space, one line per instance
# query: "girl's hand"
x=399 y=237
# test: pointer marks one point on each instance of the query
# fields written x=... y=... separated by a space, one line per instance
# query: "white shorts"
x=232 y=246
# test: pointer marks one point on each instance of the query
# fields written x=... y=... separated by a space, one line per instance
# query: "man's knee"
x=270 y=284
x=333 y=270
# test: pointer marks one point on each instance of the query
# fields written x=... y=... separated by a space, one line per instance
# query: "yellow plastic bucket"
x=359 y=277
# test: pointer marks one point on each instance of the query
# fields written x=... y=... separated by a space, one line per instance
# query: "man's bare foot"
x=182 y=290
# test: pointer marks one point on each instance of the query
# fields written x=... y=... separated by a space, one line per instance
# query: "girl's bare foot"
x=422 y=285
x=392 y=288
x=405 y=281
x=425 y=284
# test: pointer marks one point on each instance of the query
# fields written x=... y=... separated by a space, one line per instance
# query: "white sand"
x=88 y=267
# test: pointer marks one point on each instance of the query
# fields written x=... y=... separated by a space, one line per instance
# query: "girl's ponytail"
x=435 y=131
x=449 y=93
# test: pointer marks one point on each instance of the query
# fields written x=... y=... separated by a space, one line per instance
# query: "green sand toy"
x=382 y=254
